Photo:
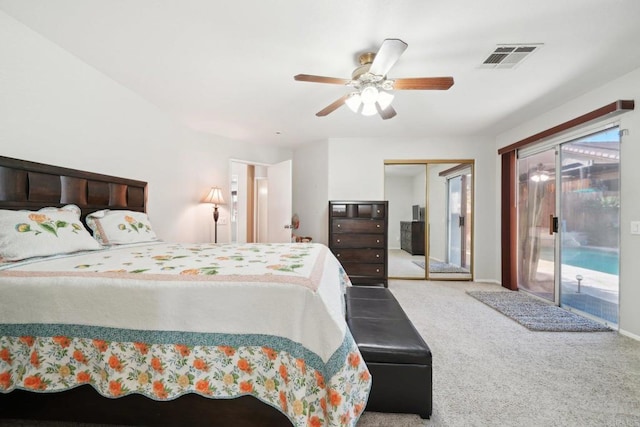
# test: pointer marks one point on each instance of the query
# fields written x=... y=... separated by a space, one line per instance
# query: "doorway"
x=261 y=202
x=430 y=219
x=569 y=223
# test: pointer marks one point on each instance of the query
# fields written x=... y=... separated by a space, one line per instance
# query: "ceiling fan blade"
x=387 y=55
x=321 y=79
x=333 y=106
x=423 y=83
x=387 y=113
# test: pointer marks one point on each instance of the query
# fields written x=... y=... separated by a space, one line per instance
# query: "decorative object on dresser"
x=412 y=237
x=358 y=238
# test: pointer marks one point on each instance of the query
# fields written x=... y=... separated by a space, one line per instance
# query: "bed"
x=140 y=331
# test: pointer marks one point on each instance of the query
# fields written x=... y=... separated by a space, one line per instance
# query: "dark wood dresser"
x=412 y=237
x=358 y=238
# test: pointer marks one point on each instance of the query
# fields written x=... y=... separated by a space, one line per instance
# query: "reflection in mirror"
x=234 y=208
x=450 y=220
x=405 y=189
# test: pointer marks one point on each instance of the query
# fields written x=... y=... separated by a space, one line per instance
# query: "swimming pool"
x=605 y=261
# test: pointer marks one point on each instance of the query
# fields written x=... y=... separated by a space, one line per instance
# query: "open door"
x=279 y=203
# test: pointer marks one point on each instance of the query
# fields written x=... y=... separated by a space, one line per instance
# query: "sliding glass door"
x=591 y=224
x=569 y=223
x=536 y=212
x=455 y=217
x=459 y=218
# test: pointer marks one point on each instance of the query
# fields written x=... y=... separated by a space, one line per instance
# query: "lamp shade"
x=214 y=196
x=368 y=100
x=354 y=102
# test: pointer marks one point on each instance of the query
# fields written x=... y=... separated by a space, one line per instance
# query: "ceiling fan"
x=371 y=84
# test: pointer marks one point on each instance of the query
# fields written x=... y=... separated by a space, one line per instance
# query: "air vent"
x=509 y=55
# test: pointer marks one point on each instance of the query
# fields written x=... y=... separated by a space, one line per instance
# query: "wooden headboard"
x=31 y=186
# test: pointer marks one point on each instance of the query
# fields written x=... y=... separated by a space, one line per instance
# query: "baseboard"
x=494 y=281
x=629 y=334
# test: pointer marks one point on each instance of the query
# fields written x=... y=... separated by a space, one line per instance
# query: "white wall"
x=419 y=190
x=626 y=87
x=310 y=201
x=56 y=109
x=437 y=211
x=356 y=171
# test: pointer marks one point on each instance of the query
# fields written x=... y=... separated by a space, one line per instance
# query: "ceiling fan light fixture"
x=369 y=109
x=384 y=99
x=353 y=102
x=371 y=86
x=540 y=177
x=369 y=95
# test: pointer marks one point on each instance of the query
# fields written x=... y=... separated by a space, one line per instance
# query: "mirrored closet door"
x=406 y=191
x=430 y=219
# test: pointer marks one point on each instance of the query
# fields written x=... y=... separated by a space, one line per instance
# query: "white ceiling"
x=227 y=67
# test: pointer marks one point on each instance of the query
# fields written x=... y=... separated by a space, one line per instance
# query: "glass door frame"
x=557 y=144
x=465 y=218
x=451 y=226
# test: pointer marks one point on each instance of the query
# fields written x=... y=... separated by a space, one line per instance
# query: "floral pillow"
x=114 y=227
x=49 y=231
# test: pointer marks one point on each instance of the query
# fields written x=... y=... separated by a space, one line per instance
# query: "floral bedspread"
x=167 y=319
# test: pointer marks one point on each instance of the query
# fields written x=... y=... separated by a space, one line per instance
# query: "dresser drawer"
x=375 y=211
x=358 y=226
x=370 y=270
x=358 y=210
x=359 y=255
x=339 y=241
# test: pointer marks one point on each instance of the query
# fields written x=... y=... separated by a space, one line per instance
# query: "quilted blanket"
x=167 y=319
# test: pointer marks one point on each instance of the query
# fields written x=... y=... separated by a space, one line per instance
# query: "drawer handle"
x=378 y=210
x=338 y=240
x=338 y=225
x=377 y=240
x=337 y=255
x=377 y=255
x=378 y=225
x=377 y=270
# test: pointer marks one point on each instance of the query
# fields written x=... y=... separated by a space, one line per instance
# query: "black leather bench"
x=398 y=359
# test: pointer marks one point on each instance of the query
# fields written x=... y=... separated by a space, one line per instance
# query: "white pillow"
x=118 y=227
x=49 y=231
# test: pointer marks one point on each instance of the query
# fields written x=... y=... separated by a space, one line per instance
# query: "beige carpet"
x=490 y=371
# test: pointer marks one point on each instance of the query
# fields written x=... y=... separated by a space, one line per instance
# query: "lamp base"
x=216 y=214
